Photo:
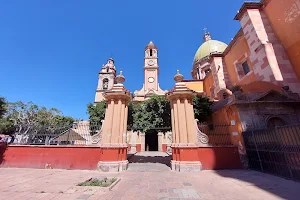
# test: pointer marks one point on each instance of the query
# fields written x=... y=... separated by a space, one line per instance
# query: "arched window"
x=150 y=52
x=105 y=84
x=275 y=121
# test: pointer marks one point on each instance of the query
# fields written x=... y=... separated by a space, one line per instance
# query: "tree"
x=32 y=123
x=202 y=108
x=154 y=113
x=96 y=112
x=3 y=106
x=131 y=107
x=6 y=125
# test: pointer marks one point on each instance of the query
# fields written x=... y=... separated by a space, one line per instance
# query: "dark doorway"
x=151 y=141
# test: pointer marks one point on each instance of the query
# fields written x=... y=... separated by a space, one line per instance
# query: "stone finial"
x=120 y=78
x=178 y=77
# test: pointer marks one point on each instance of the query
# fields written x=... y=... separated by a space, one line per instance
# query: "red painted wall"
x=219 y=158
x=211 y=157
x=138 y=147
x=62 y=157
x=164 y=147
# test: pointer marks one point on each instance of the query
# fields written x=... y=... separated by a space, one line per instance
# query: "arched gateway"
x=189 y=146
x=185 y=141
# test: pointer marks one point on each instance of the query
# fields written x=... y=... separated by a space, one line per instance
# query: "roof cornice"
x=239 y=34
x=247 y=5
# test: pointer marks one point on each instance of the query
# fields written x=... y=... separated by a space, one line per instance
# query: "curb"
x=113 y=185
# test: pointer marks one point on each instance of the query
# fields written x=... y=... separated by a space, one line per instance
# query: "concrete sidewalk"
x=227 y=184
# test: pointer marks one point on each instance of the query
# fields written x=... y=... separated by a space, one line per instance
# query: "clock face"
x=150 y=62
x=151 y=79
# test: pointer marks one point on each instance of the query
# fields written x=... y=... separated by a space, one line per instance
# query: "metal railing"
x=218 y=134
x=79 y=133
x=275 y=151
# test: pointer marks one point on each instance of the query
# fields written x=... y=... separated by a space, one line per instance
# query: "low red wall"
x=164 y=147
x=138 y=147
x=220 y=158
x=210 y=157
x=62 y=157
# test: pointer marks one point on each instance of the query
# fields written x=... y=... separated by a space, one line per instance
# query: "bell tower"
x=151 y=68
x=106 y=79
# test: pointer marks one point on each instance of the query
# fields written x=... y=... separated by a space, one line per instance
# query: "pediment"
x=274 y=96
x=150 y=93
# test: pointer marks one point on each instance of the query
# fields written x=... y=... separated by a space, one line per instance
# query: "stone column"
x=160 y=141
x=185 y=147
x=113 y=144
x=142 y=136
x=133 y=141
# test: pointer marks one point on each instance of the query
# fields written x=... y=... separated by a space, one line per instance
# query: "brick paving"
x=154 y=182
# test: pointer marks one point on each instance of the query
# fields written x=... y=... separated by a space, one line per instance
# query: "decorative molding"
x=202 y=137
x=97 y=138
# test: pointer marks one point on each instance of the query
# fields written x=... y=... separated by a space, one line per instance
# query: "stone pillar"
x=185 y=146
x=142 y=136
x=160 y=141
x=133 y=141
x=113 y=144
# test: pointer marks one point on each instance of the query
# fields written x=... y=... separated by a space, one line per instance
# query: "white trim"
x=250 y=72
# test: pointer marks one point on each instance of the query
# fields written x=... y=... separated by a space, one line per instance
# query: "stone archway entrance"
x=151 y=140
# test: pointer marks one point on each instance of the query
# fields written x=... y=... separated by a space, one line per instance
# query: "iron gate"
x=275 y=151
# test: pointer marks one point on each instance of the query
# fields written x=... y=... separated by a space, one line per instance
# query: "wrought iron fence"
x=79 y=133
x=275 y=151
x=218 y=134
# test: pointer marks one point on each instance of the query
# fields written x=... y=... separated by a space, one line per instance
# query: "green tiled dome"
x=208 y=47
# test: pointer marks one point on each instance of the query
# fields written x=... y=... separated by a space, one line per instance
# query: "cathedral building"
x=107 y=75
x=138 y=141
x=253 y=81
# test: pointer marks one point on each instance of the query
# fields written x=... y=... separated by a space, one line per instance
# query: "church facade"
x=254 y=81
x=138 y=141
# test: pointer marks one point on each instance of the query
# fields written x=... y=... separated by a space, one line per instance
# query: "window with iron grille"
x=245 y=67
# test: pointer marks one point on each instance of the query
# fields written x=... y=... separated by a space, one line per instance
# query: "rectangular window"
x=245 y=67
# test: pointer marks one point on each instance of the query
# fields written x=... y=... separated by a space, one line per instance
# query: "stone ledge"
x=185 y=166
x=112 y=166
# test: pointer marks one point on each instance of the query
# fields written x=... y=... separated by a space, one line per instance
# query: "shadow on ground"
x=148 y=159
x=283 y=188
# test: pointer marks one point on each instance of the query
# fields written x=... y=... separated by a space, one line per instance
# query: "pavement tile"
x=187 y=184
x=190 y=193
x=84 y=196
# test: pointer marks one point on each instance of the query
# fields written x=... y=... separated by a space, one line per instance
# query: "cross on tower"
x=205 y=29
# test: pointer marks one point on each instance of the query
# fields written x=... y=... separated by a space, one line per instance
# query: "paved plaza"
x=146 y=181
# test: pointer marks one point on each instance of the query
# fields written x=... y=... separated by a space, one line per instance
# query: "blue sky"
x=52 y=50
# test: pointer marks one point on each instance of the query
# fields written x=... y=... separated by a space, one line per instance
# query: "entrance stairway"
x=149 y=161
